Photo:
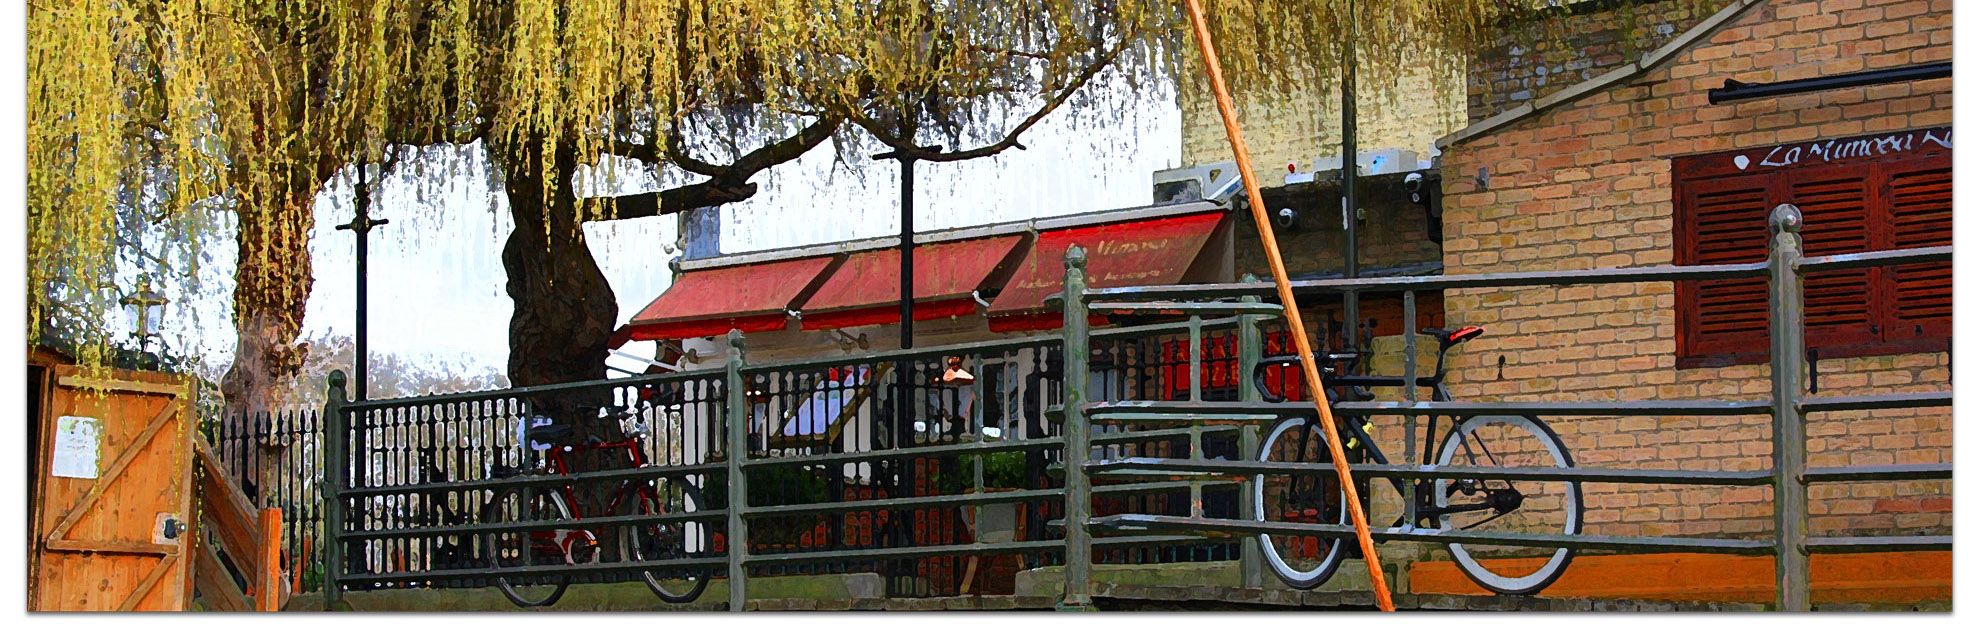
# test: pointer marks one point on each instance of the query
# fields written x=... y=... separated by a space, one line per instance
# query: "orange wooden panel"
x=1897 y=578
x=268 y=592
x=100 y=547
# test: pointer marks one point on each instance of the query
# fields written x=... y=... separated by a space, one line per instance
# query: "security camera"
x=1414 y=184
x=1286 y=219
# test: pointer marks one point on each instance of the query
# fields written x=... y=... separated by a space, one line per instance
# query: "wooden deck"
x=1898 y=578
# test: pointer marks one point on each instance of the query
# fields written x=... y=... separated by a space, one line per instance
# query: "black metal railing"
x=419 y=469
x=277 y=459
x=886 y=462
x=901 y=464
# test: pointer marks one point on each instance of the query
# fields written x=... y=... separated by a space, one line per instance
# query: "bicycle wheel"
x=667 y=540
x=514 y=549
x=1303 y=562
x=1507 y=505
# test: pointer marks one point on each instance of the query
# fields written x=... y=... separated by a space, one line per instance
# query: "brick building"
x=1295 y=145
x=1605 y=151
x=1407 y=112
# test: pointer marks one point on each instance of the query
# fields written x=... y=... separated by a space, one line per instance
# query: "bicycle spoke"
x=1300 y=561
x=1488 y=456
x=1520 y=506
x=1494 y=517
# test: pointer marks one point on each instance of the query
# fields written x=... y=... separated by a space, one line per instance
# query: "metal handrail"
x=1633 y=274
x=1784 y=267
x=1789 y=475
x=1571 y=474
x=527 y=391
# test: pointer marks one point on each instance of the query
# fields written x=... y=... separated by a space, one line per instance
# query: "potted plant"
x=773 y=486
x=994 y=523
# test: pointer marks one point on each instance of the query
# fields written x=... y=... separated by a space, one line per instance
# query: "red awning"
x=866 y=290
x=705 y=303
x=1144 y=253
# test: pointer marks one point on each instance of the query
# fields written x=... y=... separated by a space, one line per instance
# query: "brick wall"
x=1587 y=184
x=1562 y=47
x=1409 y=113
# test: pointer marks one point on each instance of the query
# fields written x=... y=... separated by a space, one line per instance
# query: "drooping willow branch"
x=256 y=103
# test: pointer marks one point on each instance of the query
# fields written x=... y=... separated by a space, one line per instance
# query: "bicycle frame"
x=558 y=540
x=1426 y=507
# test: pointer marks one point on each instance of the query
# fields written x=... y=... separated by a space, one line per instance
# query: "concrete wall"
x=1587 y=184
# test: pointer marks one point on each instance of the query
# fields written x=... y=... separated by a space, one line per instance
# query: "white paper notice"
x=78 y=440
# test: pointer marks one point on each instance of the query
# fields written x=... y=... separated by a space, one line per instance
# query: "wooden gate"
x=113 y=468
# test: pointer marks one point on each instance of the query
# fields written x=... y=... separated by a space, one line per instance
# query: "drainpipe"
x=1350 y=255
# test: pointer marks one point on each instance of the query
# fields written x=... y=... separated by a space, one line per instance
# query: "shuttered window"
x=1921 y=215
x=1860 y=194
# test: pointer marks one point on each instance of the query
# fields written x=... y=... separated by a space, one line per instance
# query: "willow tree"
x=245 y=106
x=785 y=75
x=258 y=103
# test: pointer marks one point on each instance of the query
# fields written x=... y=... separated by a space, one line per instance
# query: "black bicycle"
x=1305 y=562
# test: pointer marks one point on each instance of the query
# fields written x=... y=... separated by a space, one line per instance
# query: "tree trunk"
x=272 y=283
x=271 y=291
x=564 y=310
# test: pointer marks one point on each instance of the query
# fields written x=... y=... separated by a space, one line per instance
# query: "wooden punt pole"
x=1307 y=365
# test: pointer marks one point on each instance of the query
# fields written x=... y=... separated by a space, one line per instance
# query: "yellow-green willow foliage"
x=253 y=105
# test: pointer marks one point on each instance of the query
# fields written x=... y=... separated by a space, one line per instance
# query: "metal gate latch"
x=169 y=528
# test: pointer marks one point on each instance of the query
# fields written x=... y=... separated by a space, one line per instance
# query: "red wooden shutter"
x=1836 y=211
x=1920 y=198
x=1725 y=219
x=1900 y=196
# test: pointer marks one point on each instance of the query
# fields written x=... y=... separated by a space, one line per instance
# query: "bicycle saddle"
x=1449 y=338
x=600 y=411
x=550 y=434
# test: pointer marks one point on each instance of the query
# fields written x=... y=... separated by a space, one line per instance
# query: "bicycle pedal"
x=1365 y=427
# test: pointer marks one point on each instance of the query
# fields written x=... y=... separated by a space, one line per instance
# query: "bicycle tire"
x=1556 y=564
x=630 y=547
x=1336 y=549
x=493 y=553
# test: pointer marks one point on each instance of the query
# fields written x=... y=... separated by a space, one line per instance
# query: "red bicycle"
x=580 y=544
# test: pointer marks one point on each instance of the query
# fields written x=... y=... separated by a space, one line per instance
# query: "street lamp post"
x=147 y=312
x=907 y=240
x=904 y=368
x=362 y=223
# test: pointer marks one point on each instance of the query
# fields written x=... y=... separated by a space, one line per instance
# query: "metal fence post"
x=1251 y=349
x=1079 y=498
x=336 y=471
x=735 y=418
x=1790 y=437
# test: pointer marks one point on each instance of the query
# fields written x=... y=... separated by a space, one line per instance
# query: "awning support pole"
x=1307 y=365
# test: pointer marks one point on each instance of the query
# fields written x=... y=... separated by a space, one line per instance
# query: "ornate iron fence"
x=277 y=458
x=836 y=466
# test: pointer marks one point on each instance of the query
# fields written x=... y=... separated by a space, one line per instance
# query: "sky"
x=437 y=283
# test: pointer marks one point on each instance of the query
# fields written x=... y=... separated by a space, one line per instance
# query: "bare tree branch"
x=908 y=148
x=728 y=184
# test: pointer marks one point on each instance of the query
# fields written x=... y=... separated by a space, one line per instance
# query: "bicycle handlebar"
x=1328 y=374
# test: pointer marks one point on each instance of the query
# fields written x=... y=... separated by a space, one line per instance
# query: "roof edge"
x=1655 y=58
x=954 y=234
